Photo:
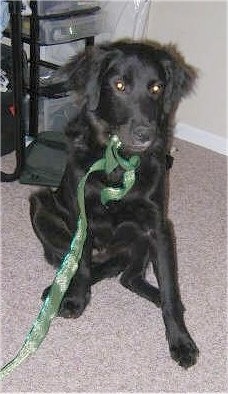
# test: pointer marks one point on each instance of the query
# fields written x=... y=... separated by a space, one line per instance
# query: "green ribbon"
x=70 y=263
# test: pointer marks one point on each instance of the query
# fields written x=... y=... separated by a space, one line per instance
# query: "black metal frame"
x=17 y=40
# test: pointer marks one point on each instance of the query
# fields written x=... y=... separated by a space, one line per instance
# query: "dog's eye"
x=155 y=89
x=120 y=86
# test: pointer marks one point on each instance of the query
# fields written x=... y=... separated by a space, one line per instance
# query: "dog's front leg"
x=78 y=293
x=182 y=348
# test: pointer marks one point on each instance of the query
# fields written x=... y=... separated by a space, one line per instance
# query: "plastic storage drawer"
x=52 y=8
x=54 y=114
x=57 y=31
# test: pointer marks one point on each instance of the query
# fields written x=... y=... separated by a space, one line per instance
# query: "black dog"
x=132 y=90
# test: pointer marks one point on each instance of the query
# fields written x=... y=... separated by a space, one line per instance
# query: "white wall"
x=199 y=29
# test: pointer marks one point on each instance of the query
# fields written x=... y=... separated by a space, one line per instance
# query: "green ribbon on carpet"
x=69 y=265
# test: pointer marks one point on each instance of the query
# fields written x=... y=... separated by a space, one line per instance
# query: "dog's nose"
x=141 y=134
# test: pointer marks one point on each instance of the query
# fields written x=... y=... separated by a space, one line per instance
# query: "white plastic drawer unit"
x=52 y=8
x=57 y=31
x=54 y=114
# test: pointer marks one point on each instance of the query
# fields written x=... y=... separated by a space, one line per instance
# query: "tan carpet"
x=119 y=345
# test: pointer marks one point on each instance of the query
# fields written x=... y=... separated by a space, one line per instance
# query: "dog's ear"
x=180 y=77
x=84 y=73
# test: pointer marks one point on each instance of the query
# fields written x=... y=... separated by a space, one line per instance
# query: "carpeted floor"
x=119 y=345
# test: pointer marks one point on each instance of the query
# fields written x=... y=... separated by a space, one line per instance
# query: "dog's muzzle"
x=141 y=138
x=141 y=135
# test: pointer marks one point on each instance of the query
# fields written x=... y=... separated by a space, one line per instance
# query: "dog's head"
x=130 y=89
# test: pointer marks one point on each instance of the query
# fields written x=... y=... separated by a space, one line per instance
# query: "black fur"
x=115 y=85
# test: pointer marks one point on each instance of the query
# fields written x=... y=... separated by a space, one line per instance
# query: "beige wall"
x=199 y=29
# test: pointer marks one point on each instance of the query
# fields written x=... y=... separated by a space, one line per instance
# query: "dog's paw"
x=73 y=307
x=184 y=351
x=45 y=293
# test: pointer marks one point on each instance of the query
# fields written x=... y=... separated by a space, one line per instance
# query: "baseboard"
x=202 y=138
